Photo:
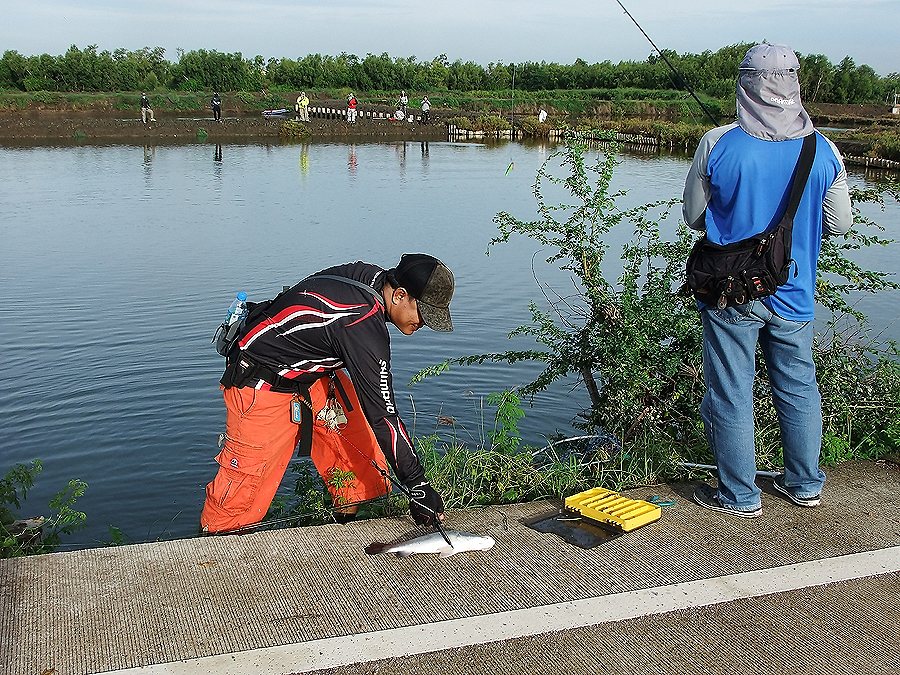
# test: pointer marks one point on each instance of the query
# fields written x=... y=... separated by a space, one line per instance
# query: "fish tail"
x=375 y=548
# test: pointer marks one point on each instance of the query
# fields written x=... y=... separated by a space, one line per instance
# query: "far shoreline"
x=92 y=126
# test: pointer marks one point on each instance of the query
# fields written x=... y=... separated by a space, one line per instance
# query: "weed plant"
x=887 y=146
x=294 y=130
x=20 y=536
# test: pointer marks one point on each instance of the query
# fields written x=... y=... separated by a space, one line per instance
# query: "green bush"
x=20 y=537
x=531 y=127
x=294 y=129
x=887 y=146
x=485 y=123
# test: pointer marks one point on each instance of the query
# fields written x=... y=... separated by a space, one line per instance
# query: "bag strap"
x=798 y=182
x=348 y=280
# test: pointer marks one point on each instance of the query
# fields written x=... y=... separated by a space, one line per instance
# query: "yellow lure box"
x=612 y=509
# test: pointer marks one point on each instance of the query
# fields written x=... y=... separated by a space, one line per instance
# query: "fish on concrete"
x=434 y=543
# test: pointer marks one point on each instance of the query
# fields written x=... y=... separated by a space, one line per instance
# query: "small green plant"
x=202 y=134
x=887 y=146
x=532 y=127
x=491 y=123
x=338 y=481
x=116 y=537
x=485 y=123
x=20 y=537
x=294 y=129
x=460 y=122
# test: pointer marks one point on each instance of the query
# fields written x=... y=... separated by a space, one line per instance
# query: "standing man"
x=302 y=107
x=426 y=106
x=403 y=104
x=146 y=110
x=285 y=382
x=216 y=104
x=351 y=108
x=738 y=187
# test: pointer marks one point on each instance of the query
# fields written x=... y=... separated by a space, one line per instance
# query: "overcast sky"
x=481 y=31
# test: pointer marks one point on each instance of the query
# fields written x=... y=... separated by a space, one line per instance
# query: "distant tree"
x=816 y=73
x=13 y=70
x=711 y=73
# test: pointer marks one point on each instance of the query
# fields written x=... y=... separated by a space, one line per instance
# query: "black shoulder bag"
x=755 y=267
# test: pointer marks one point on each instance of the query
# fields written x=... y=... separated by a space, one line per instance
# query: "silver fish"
x=434 y=543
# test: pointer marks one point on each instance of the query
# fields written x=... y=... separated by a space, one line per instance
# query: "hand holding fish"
x=425 y=505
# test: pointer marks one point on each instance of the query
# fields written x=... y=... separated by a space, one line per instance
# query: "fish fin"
x=375 y=548
x=447 y=552
x=404 y=554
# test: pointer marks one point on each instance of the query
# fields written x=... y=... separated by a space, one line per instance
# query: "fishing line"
x=678 y=75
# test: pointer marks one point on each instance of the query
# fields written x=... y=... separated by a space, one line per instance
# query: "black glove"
x=427 y=498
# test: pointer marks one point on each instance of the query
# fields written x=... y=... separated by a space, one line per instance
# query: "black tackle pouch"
x=736 y=273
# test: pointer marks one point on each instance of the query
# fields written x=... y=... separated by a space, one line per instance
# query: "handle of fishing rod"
x=407 y=492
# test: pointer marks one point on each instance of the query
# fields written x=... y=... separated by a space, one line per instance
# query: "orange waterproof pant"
x=260 y=439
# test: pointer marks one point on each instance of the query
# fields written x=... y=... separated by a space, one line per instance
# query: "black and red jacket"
x=320 y=325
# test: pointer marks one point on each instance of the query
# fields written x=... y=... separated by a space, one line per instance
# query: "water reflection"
x=149 y=154
x=351 y=160
x=304 y=159
x=217 y=165
x=400 y=149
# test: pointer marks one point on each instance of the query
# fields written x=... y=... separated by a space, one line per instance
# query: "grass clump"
x=887 y=146
x=294 y=129
x=29 y=536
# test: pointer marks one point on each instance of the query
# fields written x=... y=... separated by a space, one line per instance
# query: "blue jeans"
x=730 y=337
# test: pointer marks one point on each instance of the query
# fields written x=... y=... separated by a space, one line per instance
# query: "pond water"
x=118 y=262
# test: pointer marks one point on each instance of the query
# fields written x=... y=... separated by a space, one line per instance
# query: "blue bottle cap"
x=241 y=296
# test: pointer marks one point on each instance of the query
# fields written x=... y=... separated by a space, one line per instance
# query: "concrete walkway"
x=796 y=591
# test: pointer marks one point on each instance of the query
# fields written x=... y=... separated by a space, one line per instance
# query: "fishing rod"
x=669 y=63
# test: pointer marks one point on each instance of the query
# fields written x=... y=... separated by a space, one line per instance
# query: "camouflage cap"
x=431 y=283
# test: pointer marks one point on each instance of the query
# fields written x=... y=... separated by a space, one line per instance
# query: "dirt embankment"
x=41 y=124
x=64 y=125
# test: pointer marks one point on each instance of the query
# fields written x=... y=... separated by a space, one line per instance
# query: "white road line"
x=342 y=651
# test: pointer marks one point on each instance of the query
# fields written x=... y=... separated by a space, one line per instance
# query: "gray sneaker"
x=708 y=498
x=809 y=502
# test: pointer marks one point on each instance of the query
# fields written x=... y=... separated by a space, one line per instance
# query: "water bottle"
x=238 y=309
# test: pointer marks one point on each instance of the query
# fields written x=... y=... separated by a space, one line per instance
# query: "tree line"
x=710 y=72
